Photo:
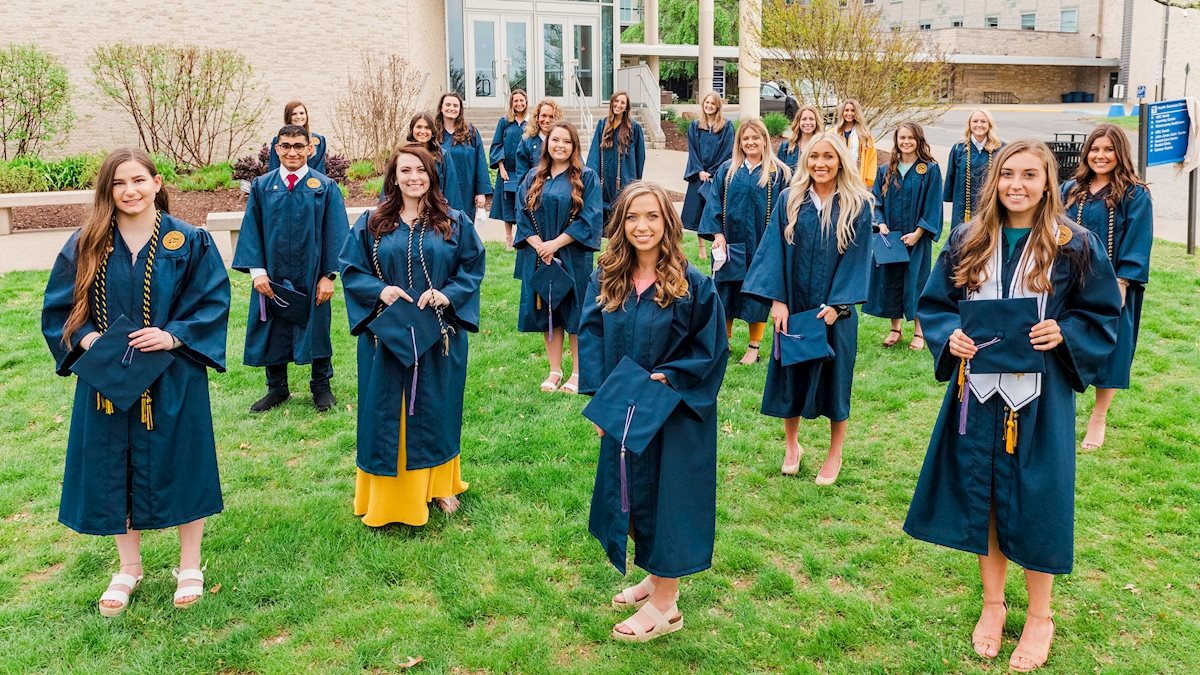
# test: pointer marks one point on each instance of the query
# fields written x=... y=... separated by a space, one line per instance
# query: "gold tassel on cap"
x=103 y=405
x=1010 y=432
x=147 y=411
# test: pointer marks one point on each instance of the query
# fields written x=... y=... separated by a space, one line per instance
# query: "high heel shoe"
x=793 y=469
x=1032 y=661
x=825 y=482
x=989 y=640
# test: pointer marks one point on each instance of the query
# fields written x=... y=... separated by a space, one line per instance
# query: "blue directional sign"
x=1141 y=91
x=1167 y=123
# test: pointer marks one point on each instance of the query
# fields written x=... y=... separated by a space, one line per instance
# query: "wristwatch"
x=331 y=276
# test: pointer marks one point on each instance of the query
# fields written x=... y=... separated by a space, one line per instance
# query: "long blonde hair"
x=619 y=261
x=992 y=142
x=770 y=162
x=853 y=195
x=717 y=121
x=531 y=127
x=860 y=125
x=794 y=142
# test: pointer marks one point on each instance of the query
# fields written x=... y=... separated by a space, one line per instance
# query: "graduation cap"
x=888 y=249
x=552 y=283
x=288 y=304
x=120 y=372
x=407 y=332
x=806 y=339
x=631 y=407
x=511 y=185
x=1000 y=330
x=734 y=267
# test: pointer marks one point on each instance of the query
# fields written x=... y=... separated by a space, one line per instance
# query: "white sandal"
x=188 y=591
x=122 y=597
x=552 y=381
x=662 y=625
x=568 y=388
x=627 y=595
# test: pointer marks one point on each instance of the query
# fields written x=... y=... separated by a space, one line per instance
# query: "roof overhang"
x=692 y=53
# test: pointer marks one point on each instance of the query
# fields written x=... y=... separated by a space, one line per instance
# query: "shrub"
x=360 y=170
x=373 y=187
x=211 y=177
x=371 y=117
x=682 y=124
x=345 y=190
x=248 y=168
x=776 y=123
x=336 y=166
x=21 y=178
x=669 y=114
x=264 y=156
x=166 y=167
x=35 y=105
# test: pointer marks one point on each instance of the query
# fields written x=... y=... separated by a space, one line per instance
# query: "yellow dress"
x=404 y=498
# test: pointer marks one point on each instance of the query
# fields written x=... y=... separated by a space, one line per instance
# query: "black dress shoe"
x=269 y=401
x=324 y=400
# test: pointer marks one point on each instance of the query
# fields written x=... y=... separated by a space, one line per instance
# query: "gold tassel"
x=962 y=377
x=537 y=301
x=1010 y=432
x=103 y=405
x=147 y=411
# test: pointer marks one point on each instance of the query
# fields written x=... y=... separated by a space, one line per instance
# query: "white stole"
x=852 y=144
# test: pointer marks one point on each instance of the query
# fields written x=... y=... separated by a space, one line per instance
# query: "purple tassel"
x=412 y=396
x=550 y=309
x=966 y=398
x=624 y=479
x=262 y=307
x=775 y=347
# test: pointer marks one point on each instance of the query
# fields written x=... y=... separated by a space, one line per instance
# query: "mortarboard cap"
x=1000 y=330
x=805 y=340
x=552 y=282
x=120 y=372
x=888 y=249
x=630 y=407
x=288 y=304
x=406 y=331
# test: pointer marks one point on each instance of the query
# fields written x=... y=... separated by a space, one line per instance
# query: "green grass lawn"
x=804 y=579
x=1128 y=122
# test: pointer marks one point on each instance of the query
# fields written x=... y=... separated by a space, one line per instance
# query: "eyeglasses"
x=288 y=147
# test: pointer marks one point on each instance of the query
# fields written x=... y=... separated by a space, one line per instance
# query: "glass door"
x=570 y=56
x=483 y=81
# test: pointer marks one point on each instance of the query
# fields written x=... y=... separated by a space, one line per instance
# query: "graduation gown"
x=115 y=467
x=632 y=162
x=316 y=161
x=804 y=275
x=466 y=172
x=552 y=217
x=912 y=201
x=1132 y=237
x=504 y=151
x=788 y=155
x=672 y=485
x=456 y=267
x=529 y=153
x=747 y=208
x=295 y=236
x=1033 y=490
x=706 y=151
x=955 y=189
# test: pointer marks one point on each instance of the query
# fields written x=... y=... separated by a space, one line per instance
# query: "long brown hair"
x=462 y=128
x=975 y=248
x=1123 y=176
x=717 y=122
x=924 y=154
x=619 y=261
x=96 y=236
x=574 y=171
x=793 y=143
x=531 y=127
x=860 y=125
x=621 y=128
x=434 y=209
x=287 y=113
x=433 y=146
x=510 y=114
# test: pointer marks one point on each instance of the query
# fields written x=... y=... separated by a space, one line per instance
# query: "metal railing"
x=579 y=101
x=643 y=90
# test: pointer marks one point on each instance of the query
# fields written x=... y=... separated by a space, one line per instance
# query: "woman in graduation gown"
x=510 y=129
x=815 y=255
x=1107 y=197
x=738 y=205
x=646 y=302
x=908 y=199
x=968 y=165
x=155 y=465
x=558 y=220
x=999 y=474
x=709 y=142
x=465 y=156
x=857 y=137
x=529 y=153
x=295 y=112
x=413 y=248
x=806 y=124
x=618 y=152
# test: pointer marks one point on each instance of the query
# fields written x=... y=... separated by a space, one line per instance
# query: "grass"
x=805 y=579
x=361 y=170
x=208 y=178
x=1128 y=122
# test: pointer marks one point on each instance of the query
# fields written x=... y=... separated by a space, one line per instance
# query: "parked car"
x=774 y=99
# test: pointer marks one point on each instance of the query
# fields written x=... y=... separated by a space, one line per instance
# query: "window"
x=1069 y=21
x=1029 y=21
x=926 y=25
x=991 y=22
x=956 y=22
x=895 y=26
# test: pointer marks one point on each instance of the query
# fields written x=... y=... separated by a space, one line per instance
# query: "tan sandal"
x=628 y=595
x=550 y=384
x=989 y=640
x=447 y=505
x=122 y=597
x=913 y=344
x=195 y=593
x=1033 y=661
x=571 y=386
x=662 y=624
x=889 y=342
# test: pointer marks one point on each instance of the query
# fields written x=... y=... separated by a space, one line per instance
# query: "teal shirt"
x=1012 y=235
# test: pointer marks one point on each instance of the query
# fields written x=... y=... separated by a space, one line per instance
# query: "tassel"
x=445 y=343
x=550 y=310
x=1010 y=432
x=147 y=411
x=103 y=405
x=412 y=396
x=537 y=301
x=964 y=395
x=624 y=478
x=262 y=308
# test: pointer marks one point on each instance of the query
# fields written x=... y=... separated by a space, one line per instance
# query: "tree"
x=679 y=24
x=35 y=101
x=371 y=116
x=844 y=49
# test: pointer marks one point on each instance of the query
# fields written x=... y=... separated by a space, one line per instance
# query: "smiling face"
x=519 y=103
x=299 y=116
x=905 y=141
x=808 y=122
x=980 y=126
x=752 y=144
x=849 y=114
x=421 y=132
x=133 y=188
x=451 y=108
x=559 y=145
x=293 y=151
x=619 y=104
x=1022 y=182
x=545 y=118
x=710 y=105
x=645 y=223
x=411 y=177
x=1102 y=156
x=823 y=163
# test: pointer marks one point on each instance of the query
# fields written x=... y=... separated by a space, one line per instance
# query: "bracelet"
x=175 y=343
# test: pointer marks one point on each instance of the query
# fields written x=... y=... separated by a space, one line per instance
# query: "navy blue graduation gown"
x=504 y=151
x=673 y=484
x=1032 y=490
x=912 y=201
x=456 y=267
x=466 y=172
x=529 y=153
x=955 y=189
x=632 y=162
x=788 y=154
x=316 y=161
x=116 y=468
x=748 y=210
x=804 y=275
x=706 y=150
x=552 y=218
x=295 y=236
x=1132 y=237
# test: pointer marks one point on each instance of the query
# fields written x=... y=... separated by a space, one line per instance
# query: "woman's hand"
x=89 y=340
x=659 y=377
x=546 y=250
x=719 y=241
x=1123 y=285
x=1046 y=335
x=883 y=228
x=324 y=290
x=151 y=340
x=962 y=346
x=391 y=294
x=432 y=298
x=599 y=431
x=503 y=172
x=705 y=176
x=779 y=315
x=262 y=284
x=479 y=200
x=913 y=237
x=828 y=314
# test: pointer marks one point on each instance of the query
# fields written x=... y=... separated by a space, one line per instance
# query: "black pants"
x=322 y=372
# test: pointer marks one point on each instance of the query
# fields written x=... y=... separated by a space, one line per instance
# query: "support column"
x=749 y=62
x=704 y=70
x=650 y=24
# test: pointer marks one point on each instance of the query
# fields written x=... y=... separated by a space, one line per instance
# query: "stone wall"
x=1031 y=84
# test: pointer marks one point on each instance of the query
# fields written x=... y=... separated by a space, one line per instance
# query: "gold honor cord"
x=616 y=146
x=100 y=309
x=1079 y=218
x=967 y=205
x=725 y=195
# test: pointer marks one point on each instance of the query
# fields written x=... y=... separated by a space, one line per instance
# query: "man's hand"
x=262 y=284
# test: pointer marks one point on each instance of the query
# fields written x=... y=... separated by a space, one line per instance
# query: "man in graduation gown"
x=292 y=232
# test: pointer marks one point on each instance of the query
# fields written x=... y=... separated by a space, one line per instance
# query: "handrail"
x=580 y=100
x=639 y=82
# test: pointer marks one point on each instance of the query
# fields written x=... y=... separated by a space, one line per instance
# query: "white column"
x=704 y=70
x=650 y=24
x=749 y=81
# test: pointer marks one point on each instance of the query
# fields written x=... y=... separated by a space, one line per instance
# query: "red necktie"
x=291 y=181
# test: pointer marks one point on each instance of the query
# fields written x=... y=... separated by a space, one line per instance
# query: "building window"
x=1069 y=23
x=956 y=22
x=631 y=11
x=895 y=26
x=926 y=25
x=991 y=22
x=1029 y=21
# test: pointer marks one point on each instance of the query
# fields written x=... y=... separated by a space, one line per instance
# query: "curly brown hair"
x=619 y=261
